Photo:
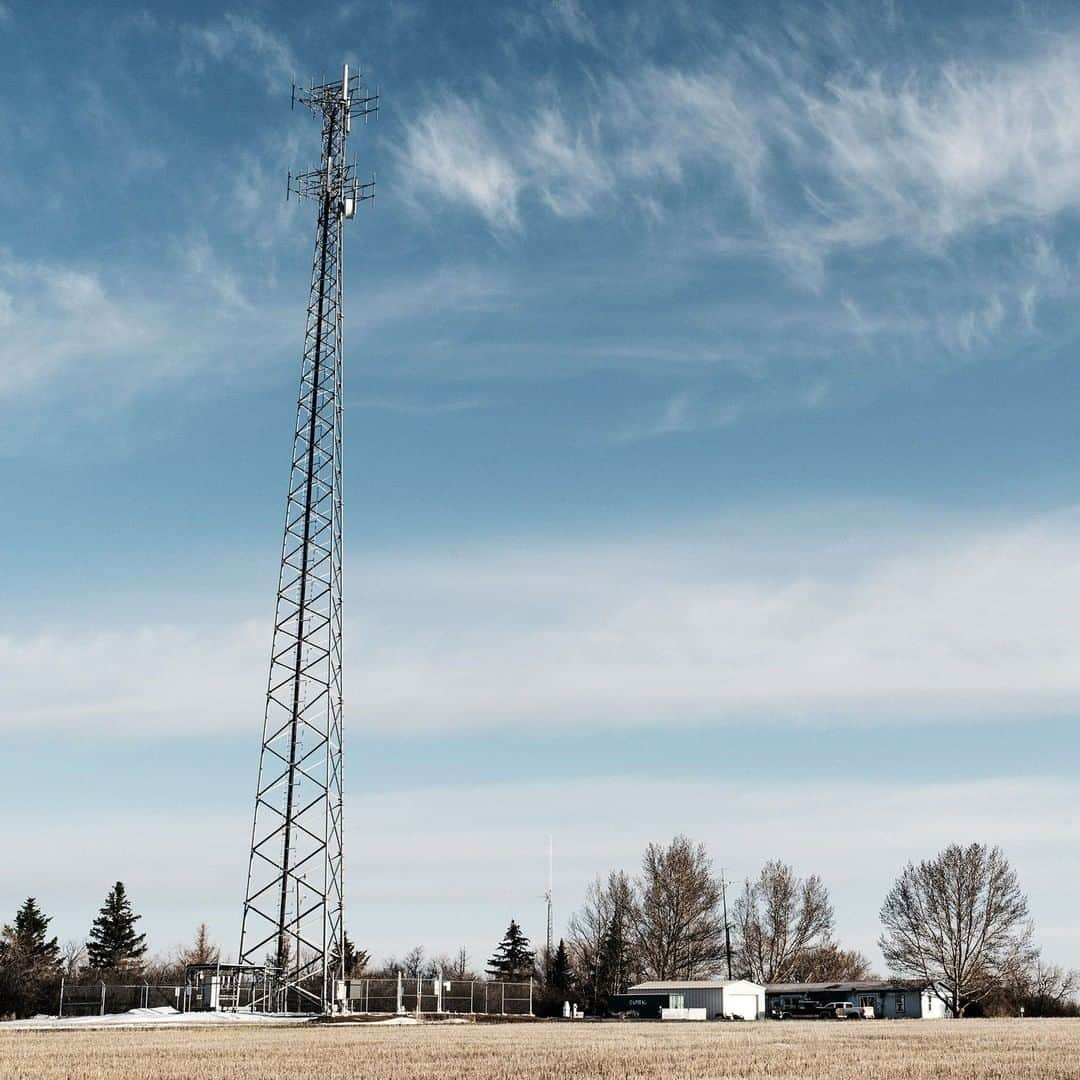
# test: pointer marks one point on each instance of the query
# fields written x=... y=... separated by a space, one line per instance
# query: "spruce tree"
x=560 y=977
x=113 y=943
x=29 y=961
x=513 y=958
x=354 y=961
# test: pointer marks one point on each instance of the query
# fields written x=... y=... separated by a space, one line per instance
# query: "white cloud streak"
x=927 y=621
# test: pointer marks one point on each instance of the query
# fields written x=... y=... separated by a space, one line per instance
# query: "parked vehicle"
x=845 y=1010
x=805 y=1009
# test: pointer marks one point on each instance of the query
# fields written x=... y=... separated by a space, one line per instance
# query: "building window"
x=675 y=1001
x=865 y=1001
x=901 y=1005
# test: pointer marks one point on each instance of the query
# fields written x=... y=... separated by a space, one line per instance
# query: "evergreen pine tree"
x=513 y=958
x=113 y=943
x=561 y=978
x=355 y=959
x=29 y=961
x=612 y=975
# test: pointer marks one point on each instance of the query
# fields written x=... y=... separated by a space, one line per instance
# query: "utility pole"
x=294 y=885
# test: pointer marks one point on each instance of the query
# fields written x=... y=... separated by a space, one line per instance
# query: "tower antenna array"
x=294 y=897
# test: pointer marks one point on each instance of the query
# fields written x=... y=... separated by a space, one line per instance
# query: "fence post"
x=102 y=998
x=61 y=1013
x=530 y=995
x=419 y=992
x=502 y=1008
x=472 y=986
x=146 y=995
x=400 y=1002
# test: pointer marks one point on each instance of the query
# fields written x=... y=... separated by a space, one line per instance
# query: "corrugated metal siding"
x=712 y=1001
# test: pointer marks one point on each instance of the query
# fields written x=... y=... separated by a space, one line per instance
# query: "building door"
x=744 y=1005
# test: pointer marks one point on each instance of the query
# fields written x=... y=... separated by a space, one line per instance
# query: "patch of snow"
x=161 y=1016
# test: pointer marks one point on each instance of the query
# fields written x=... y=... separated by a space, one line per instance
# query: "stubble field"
x=913 y=1050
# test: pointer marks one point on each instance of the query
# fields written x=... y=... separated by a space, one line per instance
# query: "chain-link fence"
x=406 y=994
x=397 y=995
x=97 y=999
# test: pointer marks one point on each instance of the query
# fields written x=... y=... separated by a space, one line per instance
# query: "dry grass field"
x=880 y=1050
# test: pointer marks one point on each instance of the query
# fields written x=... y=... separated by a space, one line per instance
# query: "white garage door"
x=744 y=1005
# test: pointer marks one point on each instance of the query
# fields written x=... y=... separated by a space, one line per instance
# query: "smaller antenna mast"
x=727 y=925
x=548 y=898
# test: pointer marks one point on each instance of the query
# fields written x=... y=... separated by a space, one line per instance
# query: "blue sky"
x=710 y=440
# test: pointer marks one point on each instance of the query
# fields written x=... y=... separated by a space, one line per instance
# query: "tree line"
x=32 y=963
x=958 y=923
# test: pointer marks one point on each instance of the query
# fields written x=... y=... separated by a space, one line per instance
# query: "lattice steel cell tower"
x=293 y=907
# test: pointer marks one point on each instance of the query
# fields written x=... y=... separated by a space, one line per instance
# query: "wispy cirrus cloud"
x=87 y=321
x=917 y=153
x=688 y=411
x=415 y=407
x=450 y=154
x=239 y=38
x=109 y=331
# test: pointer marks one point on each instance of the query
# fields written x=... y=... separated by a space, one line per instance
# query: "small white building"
x=734 y=999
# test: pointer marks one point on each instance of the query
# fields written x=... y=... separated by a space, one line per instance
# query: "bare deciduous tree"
x=73 y=958
x=1049 y=989
x=201 y=951
x=459 y=964
x=831 y=963
x=1050 y=986
x=587 y=930
x=958 y=921
x=780 y=921
x=678 y=927
x=619 y=960
x=413 y=963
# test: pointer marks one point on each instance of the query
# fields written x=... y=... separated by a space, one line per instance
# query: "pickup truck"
x=847 y=1010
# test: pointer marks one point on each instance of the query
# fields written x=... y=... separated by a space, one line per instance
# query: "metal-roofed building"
x=732 y=998
x=890 y=1000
